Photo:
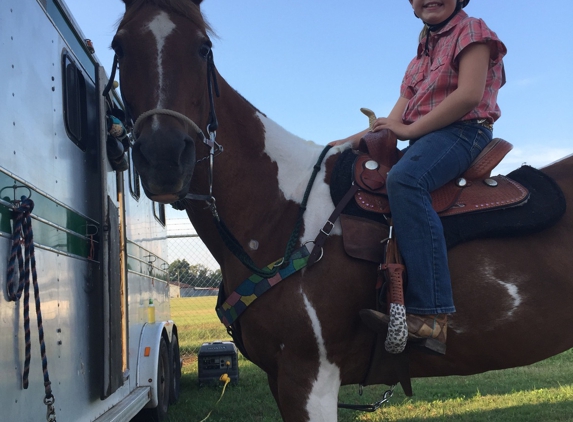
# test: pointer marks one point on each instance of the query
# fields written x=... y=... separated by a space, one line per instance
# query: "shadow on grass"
x=545 y=412
x=551 y=373
x=251 y=400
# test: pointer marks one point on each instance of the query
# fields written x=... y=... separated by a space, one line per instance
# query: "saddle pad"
x=545 y=206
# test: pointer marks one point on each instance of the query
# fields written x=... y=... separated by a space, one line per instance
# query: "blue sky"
x=311 y=65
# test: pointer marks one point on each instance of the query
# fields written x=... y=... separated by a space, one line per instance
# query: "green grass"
x=197 y=323
x=542 y=392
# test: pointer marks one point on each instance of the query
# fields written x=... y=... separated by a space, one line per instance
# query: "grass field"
x=537 y=393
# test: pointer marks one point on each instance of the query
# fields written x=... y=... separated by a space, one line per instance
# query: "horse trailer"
x=77 y=237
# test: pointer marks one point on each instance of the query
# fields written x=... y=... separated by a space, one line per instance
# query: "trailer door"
x=114 y=313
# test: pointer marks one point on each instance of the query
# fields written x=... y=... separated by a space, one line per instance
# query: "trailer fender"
x=148 y=357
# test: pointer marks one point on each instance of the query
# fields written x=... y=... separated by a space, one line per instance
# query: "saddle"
x=474 y=206
x=476 y=190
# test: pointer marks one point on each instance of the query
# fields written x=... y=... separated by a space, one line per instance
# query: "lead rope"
x=23 y=233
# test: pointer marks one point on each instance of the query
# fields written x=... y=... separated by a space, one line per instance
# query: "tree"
x=179 y=270
x=216 y=277
x=197 y=275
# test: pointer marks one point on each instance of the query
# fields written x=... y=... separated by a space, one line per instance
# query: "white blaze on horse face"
x=160 y=26
x=293 y=175
x=323 y=399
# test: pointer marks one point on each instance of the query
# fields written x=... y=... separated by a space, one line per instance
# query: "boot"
x=428 y=331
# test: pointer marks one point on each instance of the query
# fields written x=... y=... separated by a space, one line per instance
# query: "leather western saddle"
x=475 y=190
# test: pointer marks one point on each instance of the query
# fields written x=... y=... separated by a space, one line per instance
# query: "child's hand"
x=402 y=131
x=344 y=141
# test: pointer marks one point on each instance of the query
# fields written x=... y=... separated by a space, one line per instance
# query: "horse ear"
x=129 y=2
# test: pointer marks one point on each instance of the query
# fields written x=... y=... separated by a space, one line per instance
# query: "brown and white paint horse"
x=513 y=295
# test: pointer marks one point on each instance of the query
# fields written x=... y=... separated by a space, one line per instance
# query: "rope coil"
x=22 y=234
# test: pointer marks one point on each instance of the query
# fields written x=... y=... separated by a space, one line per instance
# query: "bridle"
x=212 y=125
x=228 y=238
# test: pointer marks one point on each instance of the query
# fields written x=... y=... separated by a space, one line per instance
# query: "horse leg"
x=303 y=381
x=301 y=395
x=308 y=388
x=274 y=387
x=293 y=407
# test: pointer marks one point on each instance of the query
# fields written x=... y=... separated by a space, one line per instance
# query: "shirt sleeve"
x=475 y=30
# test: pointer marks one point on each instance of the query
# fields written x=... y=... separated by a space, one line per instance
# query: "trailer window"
x=80 y=116
x=159 y=212
x=134 y=186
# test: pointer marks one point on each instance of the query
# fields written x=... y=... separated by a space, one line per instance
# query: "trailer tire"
x=162 y=385
x=175 y=385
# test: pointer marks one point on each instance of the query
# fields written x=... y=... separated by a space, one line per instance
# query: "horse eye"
x=205 y=50
x=116 y=46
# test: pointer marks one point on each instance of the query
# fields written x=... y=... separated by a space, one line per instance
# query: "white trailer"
x=99 y=244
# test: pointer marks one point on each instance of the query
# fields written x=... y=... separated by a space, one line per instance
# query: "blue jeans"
x=429 y=163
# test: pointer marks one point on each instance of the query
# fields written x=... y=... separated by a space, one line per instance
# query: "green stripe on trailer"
x=55 y=226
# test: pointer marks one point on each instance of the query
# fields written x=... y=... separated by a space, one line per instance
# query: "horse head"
x=164 y=55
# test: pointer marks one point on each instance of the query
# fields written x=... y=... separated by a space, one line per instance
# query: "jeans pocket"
x=480 y=141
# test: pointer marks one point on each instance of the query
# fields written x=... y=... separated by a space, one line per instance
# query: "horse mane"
x=185 y=8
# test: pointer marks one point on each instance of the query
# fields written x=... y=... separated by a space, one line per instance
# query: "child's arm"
x=473 y=67
x=353 y=139
x=395 y=114
x=398 y=110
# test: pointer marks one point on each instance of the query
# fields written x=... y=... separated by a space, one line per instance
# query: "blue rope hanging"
x=22 y=234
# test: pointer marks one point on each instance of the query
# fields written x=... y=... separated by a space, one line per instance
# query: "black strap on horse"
x=369 y=407
x=235 y=247
x=22 y=233
x=316 y=252
x=107 y=88
x=212 y=84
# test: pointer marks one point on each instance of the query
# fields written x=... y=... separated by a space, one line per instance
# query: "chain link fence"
x=194 y=284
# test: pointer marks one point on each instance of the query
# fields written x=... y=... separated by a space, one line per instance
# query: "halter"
x=212 y=126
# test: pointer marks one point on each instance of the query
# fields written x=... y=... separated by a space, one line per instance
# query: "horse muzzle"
x=165 y=161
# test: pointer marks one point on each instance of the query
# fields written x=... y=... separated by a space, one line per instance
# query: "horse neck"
x=259 y=180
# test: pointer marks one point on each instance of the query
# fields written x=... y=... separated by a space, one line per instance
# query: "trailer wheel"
x=175 y=386
x=162 y=385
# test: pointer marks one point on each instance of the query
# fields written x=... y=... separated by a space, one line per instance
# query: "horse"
x=512 y=294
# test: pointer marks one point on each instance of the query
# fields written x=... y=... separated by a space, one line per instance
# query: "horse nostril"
x=188 y=152
x=139 y=158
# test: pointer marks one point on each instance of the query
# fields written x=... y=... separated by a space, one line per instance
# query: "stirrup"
x=428 y=345
x=378 y=322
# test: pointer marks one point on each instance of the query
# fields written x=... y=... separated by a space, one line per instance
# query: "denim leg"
x=429 y=163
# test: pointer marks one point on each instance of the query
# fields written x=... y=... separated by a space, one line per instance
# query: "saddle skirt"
x=475 y=190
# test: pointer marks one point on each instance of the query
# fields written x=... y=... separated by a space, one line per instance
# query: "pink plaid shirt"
x=430 y=79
